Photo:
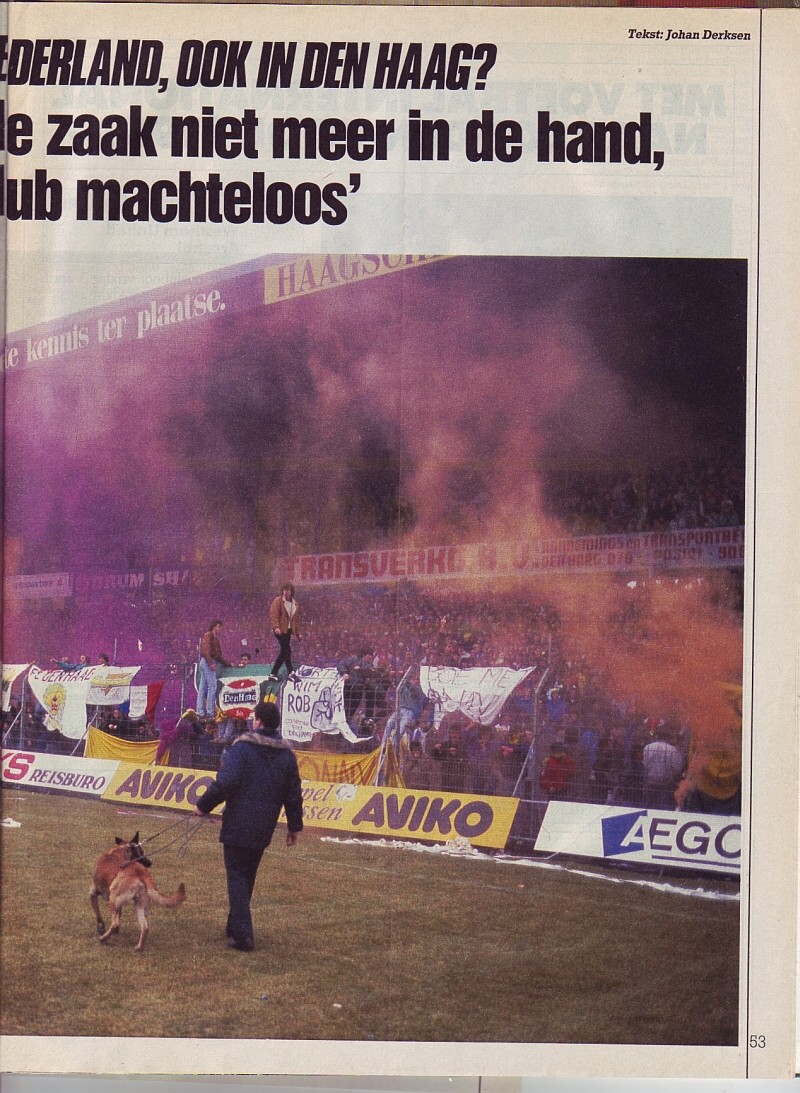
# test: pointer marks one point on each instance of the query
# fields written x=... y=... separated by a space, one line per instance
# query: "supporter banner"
x=101 y=745
x=683 y=839
x=61 y=772
x=63 y=696
x=11 y=672
x=479 y=693
x=111 y=686
x=359 y=770
x=239 y=689
x=39 y=585
x=698 y=548
x=312 y=703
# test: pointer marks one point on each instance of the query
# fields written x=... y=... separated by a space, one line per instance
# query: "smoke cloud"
x=447 y=402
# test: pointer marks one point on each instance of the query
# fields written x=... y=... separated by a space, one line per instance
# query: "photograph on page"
x=397 y=636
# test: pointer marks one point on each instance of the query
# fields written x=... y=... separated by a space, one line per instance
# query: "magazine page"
x=400 y=427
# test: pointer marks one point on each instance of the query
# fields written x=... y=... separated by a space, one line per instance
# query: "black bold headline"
x=194 y=196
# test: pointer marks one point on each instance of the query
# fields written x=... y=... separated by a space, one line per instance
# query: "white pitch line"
x=448 y=850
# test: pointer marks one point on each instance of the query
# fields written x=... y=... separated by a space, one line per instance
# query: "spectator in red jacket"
x=557 y=773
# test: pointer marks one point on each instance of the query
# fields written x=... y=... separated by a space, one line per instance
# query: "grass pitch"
x=353 y=943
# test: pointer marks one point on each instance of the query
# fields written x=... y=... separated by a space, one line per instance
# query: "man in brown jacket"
x=284 y=618
x=210 y=657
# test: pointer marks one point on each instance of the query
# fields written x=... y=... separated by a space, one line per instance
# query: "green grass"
x=353 y=943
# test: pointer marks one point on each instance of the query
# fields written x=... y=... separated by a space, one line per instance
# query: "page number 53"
x=758 y=1041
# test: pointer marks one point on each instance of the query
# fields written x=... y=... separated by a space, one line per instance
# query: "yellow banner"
x=357 y=770
x=168 y=787
x=409 y=814
x=350 y=809
x=316 y=272
x=100 y=745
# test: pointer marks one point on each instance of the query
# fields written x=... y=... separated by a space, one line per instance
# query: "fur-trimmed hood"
x=262 y=741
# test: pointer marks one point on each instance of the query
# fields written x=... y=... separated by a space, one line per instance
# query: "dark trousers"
x=241 y=866
x=285 y=654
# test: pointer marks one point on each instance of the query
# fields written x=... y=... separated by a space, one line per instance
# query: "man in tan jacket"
x=284 y=618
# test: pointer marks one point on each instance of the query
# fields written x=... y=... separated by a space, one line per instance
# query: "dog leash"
x=190 y=824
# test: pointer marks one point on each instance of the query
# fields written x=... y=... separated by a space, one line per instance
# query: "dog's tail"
x=168 y=901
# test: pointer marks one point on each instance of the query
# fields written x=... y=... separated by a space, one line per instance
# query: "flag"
x=144 y=700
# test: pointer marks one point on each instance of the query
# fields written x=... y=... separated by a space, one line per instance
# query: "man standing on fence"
x=210 y=657
x=258 y=779
x=284 y=618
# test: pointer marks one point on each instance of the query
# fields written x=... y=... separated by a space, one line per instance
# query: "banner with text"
x=111 y=686
x=653 y=552
x=682 y=839
x=240 y=689
x=347 y=808
x=63 y=696
x=35 y=586
x=358 y=770
x=478 y=693
x=313 y=702
x=60 y=772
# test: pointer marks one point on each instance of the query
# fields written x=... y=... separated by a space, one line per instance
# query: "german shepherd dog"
x=121 y=876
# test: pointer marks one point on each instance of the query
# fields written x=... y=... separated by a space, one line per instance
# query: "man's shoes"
x=293 y=676
x=242 y=946
x=272 y=678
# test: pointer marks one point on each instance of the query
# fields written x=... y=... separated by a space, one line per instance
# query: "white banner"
x=111 y=686
x=63 y=696
x=479 y=693
x=10 y=673
x=684 y=839
x=63 y=772
x=312 y=703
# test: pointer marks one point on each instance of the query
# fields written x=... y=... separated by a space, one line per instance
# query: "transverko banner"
x=478 y=693
x=652 y=552
x=683 y=839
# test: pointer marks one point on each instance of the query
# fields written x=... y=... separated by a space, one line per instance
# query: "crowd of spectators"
x=690 y=494
x=568 y=740
x=584 y=500
x=587 y=746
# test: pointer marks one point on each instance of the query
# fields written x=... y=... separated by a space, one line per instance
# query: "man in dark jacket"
x=259 y=778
